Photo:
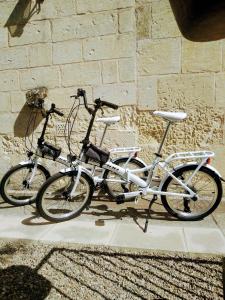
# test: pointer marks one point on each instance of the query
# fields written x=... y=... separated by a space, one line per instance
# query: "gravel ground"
x=34 y=270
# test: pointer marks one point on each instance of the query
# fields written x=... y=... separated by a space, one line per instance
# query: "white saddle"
x=109 y=120
x=171 y=116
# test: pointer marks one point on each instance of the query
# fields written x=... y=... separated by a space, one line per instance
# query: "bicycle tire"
x=10 y=173
x=49 y=215
x=187 y=214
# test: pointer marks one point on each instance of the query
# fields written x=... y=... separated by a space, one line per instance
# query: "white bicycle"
x=189 y=191
x=20 y=184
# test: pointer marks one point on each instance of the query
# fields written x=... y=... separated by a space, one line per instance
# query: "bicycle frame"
x=144 y=186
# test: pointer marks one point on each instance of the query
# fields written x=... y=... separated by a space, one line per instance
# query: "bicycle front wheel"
x=205 y=183
x=55 y=202
x=20 y=185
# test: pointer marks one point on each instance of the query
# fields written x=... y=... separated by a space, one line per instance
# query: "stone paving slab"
x=106 y=223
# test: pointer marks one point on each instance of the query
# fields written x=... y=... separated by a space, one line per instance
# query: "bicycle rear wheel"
x=206 y=184
x=16 y=188
x=55 y=202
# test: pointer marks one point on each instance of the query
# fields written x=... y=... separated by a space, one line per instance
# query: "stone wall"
x=126 y=52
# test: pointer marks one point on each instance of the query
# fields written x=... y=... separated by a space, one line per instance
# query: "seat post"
x=164 y=137
x=103 y=135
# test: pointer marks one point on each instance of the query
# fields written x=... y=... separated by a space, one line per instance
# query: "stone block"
x=147 y=93
x=40 y=55
x=223 y=54
x=87 y=73
x=45 y=76
x=163 y=22
x=35 y=32
x=127 y=69
x=9 y=81
x=186 y=90
x=7 y=122
x=109 y=47
x=84 y=26
x=55 y=9
x=143 y=20
x=5 y=105
x=84 y=6
x=18 y=100
x=3 y=37
x=161 y=56
x=220 y=90
x=109 y=71
x=121 y=93
x=126 y=21
x=13 y=58
x=67 y=52
x=201 y=57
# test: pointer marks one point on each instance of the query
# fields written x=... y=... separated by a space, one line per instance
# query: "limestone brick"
x=127 y=69
x=84 y=6
x=201 y=57
x=159 y=56
x=143 y=20
x=121 y=94
x=223 y=55
x=3 y=37
x=9 y=81
x=186 y=90
x=220 y=90
x=109 y=71
x=13 y=58
x=67 y=52
x=84 y=26
x=7 y=122
x=5 y=102
x=40 y=55
x=87 y=73
x=147 y=93
x=44 y=76
x=163 y=22
x=109 y=47
x=35 y=32
x=126 y=20
x=55 y=9
x=18 y=100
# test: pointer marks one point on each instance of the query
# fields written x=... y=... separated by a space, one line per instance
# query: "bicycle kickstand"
x=148 y=213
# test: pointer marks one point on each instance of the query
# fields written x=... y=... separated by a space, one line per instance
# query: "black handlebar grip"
x=111 y=105
x=58 y=112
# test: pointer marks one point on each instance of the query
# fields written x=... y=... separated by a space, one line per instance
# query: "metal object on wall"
x=201 y=20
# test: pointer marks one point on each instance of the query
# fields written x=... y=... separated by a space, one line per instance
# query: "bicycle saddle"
x=109 y=120
x=171 y=116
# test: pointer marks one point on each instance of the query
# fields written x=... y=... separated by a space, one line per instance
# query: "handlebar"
x=98 y=102
x=105 y=103
x=56 y=111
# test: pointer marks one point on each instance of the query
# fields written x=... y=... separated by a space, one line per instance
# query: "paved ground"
x=109 y=224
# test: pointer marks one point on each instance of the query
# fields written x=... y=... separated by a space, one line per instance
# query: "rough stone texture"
x=128 y=52
x=143 y=19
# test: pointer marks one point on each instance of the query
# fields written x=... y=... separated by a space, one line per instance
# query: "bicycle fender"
x=188 y=164
x=72 y=170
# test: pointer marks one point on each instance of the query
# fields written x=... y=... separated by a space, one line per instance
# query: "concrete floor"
x=106 y=223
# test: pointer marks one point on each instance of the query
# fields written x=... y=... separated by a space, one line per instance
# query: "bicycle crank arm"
x=128 y=197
